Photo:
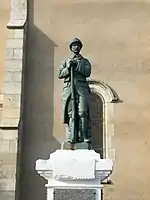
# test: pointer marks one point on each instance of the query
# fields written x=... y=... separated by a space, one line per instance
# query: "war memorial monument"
x=75 y=166
x=40 y=116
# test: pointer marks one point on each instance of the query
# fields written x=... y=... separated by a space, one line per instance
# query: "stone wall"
x=116 y=40
x=11 y=115
x=4 y=17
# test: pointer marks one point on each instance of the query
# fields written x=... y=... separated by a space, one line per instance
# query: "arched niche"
x=101 y=111
x=96 y=114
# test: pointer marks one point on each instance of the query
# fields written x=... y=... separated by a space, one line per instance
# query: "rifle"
x=73 y=101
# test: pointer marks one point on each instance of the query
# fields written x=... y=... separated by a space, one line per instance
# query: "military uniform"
x=82 y=70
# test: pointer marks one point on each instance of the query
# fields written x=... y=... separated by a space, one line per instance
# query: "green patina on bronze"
x=76 y=94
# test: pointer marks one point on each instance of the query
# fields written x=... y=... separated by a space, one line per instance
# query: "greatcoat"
x=82 y=71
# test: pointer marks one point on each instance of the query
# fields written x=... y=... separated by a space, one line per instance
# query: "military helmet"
x=74 y=40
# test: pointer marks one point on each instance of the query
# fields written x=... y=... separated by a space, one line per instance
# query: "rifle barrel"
x=73 y=101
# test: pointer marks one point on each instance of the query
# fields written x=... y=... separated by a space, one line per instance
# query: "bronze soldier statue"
x=76 y=94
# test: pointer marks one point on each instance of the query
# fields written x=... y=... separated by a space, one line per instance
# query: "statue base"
x=74 y=146
x=67 y=170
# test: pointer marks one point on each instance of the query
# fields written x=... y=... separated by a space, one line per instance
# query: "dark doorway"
x=96 y=113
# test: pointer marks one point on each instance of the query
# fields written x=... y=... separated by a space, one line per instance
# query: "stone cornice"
x=18 y=14
x=103 y=167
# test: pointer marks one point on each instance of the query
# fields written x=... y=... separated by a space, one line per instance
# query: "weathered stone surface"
x=13 y=65
x=9 y=122
x=4 y=17
x=14 y=43
x=7 y=171
x=18 y=53
x=12 y=76
x=19 y=33
x=12 y=88
x=118 y=45
x=8 y=134
x=13 y=146
x=74 y=194
x=18 y=13
x=9 y=53
x=10 y=33
x=18 y=9
x=12 y=70
x=17 y=76
x=7 y=184
x=7 y=195
x=11 y=112
x=8 y=77
x=4 y=146
x=8 y=158
x=12 y=100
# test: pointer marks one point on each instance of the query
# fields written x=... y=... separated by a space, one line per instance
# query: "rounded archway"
x=101 y=112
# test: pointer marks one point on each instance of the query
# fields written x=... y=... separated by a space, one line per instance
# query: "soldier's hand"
x=74 y=63
x=71 y=63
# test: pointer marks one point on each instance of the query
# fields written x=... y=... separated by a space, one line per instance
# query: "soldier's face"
x=76 y=47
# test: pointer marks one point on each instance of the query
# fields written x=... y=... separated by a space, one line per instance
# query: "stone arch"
x=105 y=96
x=104 y=91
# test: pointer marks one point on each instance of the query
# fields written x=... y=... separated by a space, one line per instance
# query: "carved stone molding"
x=63 y=165
x=18 y=14
x=103 y=90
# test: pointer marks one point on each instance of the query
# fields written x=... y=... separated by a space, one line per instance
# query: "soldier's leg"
x=88 y=136
x=83 y=115
x=70 y=135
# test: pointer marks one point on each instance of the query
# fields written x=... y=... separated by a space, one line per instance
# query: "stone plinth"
x=75 y=146
x=74 y=169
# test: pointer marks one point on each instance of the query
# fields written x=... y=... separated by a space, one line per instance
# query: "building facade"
x=34 y=40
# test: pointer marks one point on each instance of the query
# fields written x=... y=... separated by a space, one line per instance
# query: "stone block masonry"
x=14 y=63
x=11 y=99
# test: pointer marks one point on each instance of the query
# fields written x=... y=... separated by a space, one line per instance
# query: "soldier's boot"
x=88 y=135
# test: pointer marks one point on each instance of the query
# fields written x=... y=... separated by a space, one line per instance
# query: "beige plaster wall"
x=116 y=37
x=4 y=18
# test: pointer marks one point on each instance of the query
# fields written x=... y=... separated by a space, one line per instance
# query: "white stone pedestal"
x=79 y=169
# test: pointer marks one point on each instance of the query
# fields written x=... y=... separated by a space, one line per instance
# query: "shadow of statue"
x=36 y=124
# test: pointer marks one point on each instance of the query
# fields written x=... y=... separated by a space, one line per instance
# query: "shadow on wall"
x=37 y=139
